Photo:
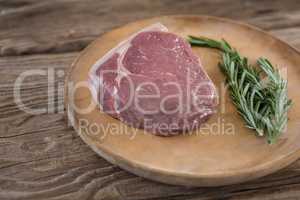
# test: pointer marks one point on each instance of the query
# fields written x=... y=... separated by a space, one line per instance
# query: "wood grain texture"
x=42 y=157
x=33 y=26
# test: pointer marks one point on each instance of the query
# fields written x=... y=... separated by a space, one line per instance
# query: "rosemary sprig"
x=276 y=96
x=261 y=101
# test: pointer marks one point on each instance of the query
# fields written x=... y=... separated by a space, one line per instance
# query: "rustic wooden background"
x=41 y=157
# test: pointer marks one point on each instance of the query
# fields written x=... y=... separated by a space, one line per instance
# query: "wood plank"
x=34 y=26
x=42 y=157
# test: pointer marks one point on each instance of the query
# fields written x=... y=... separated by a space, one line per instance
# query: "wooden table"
x=41 y=157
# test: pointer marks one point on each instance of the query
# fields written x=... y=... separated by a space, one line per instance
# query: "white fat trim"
x=121 y=48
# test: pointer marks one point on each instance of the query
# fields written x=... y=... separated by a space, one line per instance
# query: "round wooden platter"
x=223 y=151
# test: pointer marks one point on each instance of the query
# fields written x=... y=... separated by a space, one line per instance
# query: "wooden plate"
x=221 y=152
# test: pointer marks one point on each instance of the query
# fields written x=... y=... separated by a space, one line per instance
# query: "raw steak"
x=154 y=81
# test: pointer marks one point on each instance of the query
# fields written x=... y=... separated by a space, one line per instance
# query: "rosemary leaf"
x=261 y=101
